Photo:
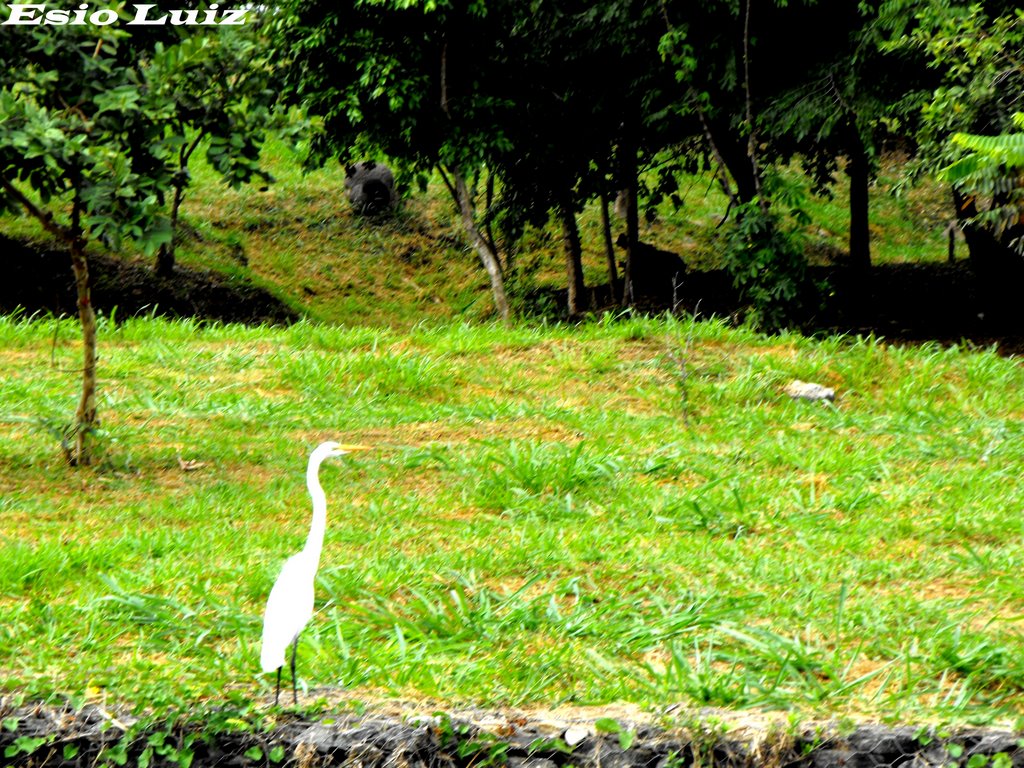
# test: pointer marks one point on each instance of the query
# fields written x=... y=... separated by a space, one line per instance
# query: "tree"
x=731 y=59
x=406 y=79
x=223 y=100
x=852 y=96
x=537 y=94
x=89 y=141
x=993 y=167
x=79 y=136
x=594 y=96
x=988 y=184
x=978 y=48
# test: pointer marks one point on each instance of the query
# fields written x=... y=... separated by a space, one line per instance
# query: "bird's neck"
x=315 y=540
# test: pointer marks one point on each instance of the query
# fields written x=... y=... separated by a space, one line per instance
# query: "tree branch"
x=45 y=217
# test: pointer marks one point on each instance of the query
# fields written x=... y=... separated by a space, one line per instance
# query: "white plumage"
x=290 y=605
x=289 y=608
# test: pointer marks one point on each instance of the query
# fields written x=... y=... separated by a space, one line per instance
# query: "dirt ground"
x=43 y=282
x=45 y=735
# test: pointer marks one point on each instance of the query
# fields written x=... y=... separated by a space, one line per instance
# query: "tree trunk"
x=731 y=151
x=573 y=259
x=609 y=249
x=628 y=183
x=857 y=169
x=997 y=266
x=164 y=266
x=485 y=250
x=485 y=247
x=165 y=258
x=77 y=444
x=492 y=243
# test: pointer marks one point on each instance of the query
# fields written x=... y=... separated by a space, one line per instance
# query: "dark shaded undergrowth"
x=900 y=302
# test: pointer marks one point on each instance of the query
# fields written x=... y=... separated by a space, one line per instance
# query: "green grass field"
x=629 y=510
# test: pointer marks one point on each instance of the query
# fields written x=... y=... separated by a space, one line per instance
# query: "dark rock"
x=880 y=740
x=371 y=188
x=994 y=743
x=530 y=762
x=932 y=757
x=393 y=742
x=839 y=758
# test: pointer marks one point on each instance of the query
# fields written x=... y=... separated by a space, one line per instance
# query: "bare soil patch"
x=41 y=281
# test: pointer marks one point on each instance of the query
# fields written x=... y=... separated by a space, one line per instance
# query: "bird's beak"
x=350 y=448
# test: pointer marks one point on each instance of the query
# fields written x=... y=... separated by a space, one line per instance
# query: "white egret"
x=290 y=605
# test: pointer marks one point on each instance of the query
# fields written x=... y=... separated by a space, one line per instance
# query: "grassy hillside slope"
x=626 y=510
x=299 y=239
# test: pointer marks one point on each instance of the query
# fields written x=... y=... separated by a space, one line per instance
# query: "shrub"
x=768 y=266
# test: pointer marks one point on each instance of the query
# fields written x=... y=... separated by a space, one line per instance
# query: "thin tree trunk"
x=460 y=194
x=492 y=243
x=860 y=233
x=732 y=158
x=628 y=183
x=79 y=453
x=609 y=249
x=755 y=167
x=736 y=157
x=485 y=247
x=165 y=256
x=573 y=259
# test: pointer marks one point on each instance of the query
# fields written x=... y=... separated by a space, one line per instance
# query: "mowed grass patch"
x=629 y=510
x=300 y=237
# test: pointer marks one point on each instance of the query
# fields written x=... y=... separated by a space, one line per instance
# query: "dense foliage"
x=98 y=123
x=530 y=111
x=564 y=103
x=972 y=120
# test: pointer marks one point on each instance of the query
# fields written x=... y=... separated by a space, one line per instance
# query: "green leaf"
x=24 y=745
x=253 y=753
x=607 y=725
x=626 y=738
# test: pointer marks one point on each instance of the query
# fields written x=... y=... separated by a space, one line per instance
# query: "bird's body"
x=289 y=609
x=290 y=605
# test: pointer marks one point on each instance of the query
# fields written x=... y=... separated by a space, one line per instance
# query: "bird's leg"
x=295 y=695
x=277 y=690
